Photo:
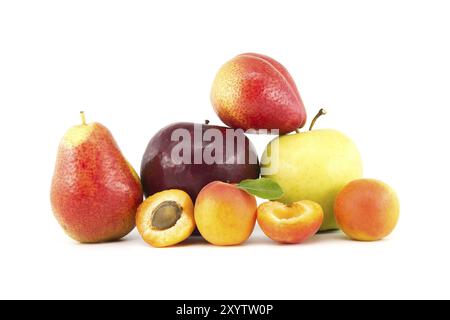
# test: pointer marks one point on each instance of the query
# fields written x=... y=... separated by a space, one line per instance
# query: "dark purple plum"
x=161 y=171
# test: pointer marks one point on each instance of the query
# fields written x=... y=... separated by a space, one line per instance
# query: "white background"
x=381 y=69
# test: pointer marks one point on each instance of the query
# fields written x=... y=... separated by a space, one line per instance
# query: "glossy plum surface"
x=159 y=171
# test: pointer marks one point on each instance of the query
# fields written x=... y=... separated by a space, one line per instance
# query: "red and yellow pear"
x=95 y=192
x=254 y=91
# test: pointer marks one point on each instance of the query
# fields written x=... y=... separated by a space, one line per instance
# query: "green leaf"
x=262 y=188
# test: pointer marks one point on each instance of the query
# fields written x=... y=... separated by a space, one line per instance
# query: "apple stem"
x=318 y=115
x=206 y=121
x=83 y=118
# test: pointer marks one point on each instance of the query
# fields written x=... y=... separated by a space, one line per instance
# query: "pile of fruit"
x=312 y=179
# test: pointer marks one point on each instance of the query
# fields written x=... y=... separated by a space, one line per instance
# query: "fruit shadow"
x=327 y=236
x=99 y=244
x=262 y=240
x=321 y=237
x=193 y=241
x=337 y=235
x=201 y=242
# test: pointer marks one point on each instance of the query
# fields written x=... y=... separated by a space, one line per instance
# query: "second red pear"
x=253 y=91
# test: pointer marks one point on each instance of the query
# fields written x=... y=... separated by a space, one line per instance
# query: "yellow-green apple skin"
x=313 y=165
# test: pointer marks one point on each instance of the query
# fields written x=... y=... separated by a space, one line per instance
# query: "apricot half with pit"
x=166 y=218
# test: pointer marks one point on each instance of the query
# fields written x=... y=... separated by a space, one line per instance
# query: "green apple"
x=313 y=165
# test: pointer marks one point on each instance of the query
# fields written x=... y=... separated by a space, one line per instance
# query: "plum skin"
x=159 y=172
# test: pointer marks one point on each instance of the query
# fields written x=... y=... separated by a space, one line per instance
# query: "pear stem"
x=318 y=115
x=83 y=118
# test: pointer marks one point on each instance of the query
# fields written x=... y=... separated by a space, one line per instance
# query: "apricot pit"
x=166 y=215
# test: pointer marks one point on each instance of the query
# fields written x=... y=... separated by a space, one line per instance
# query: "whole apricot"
x=225 y=214
x=367 y=209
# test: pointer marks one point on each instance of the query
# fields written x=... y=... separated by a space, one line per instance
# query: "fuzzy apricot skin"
x=182 y=229
x=292 y=223
x=225 y=214
x=367 y=210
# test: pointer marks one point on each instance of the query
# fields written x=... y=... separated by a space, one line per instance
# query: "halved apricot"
x=166 y=218
x=292 y=223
